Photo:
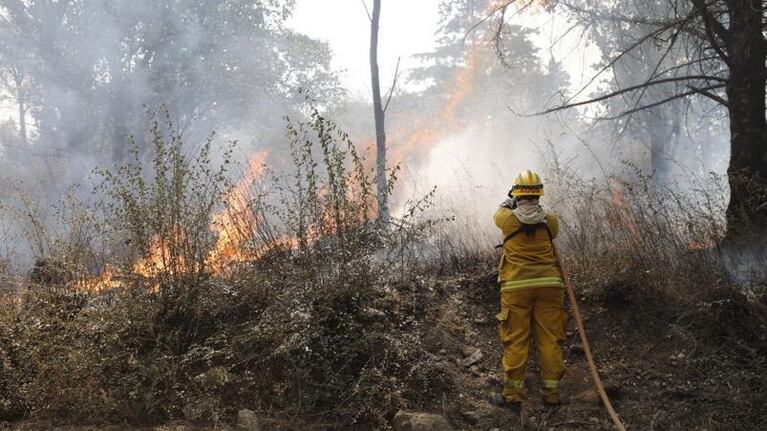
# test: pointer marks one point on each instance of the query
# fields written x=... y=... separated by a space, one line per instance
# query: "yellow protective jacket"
x=528 y=260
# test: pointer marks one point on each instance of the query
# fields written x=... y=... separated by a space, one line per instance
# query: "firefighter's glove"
x=510 y=203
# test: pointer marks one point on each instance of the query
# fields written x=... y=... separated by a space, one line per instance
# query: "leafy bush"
x=162 y=217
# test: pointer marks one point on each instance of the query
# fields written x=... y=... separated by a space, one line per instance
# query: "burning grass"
x=267 y=293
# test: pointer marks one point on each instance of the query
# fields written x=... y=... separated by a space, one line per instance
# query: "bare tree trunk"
x=747 y=171
x=18 y=79
x=658 y=128
x=662 y=123
x=733 y=31
x=118 y=132
x=378 y=112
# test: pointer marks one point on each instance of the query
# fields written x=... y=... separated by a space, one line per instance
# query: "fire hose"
x=586 y=348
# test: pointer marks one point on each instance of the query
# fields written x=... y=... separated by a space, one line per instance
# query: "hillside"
x=665 y=365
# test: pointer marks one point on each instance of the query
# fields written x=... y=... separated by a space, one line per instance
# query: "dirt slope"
x=666 y=366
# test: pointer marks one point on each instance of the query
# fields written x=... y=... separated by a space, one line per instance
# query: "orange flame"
x=701 y=245
x=236 y=221
x=623 y=215
x=107 y=280
x=232 y=225
x=417 y=143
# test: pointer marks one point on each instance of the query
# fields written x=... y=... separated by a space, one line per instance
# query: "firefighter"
x=532 y=293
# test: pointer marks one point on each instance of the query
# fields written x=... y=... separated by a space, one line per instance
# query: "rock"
x=473 y=359
x=412 y=421
x=214 y=377
x=474 y=370
x=374 y=312
x=247 y=420
x=577 y=348
x=492 y=380
x=467 y=351
x=472 y=417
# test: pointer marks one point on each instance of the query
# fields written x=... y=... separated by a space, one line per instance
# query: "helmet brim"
x=536 y=190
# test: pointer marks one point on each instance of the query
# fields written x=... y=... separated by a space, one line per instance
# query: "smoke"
x=468 y=134
x=92 y=74
x=94 y=70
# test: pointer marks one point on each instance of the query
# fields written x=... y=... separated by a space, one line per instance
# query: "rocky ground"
x=664 y=367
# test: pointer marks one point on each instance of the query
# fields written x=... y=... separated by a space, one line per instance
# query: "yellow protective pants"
x=521 y=309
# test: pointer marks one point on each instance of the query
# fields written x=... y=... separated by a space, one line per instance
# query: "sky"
x=407 y=27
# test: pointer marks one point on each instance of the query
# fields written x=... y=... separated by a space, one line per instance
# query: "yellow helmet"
x=527 y=183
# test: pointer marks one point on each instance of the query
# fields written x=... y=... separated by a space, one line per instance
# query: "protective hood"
x=529 y=211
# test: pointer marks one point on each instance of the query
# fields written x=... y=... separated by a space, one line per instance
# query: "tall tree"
x=95 y=67
x=724 y=47
x=14 y=62
x=467 y=86
x=380 y=117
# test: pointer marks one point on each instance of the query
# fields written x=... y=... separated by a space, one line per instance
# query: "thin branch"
x=685 y=64
x=713 y=29
x=662 y=102
x=715 y=97
x=653 y=74
x=612 y=17
x=393 y=84
x=501 y=24
x=630 y=48
x=367 y=11
x=711 y=20
x=498 y=38
x=624 y=91
x=483 y=20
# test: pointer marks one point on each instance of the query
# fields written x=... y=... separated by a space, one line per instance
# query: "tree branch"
x=713 y=29
x=654 y=73
x=715 y=26
x=498 y=38
x=685 y=64
x=682 y=22
x=628 y=90
x=393 y=84
x=367 y=10
x=662 y=102
x=715 y=97
x=489 y=15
